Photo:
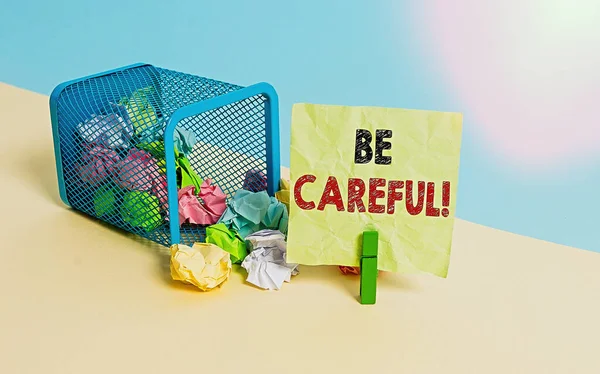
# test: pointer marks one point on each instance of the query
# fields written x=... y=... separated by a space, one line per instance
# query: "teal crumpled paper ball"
x=249 y=212
x=184 y=140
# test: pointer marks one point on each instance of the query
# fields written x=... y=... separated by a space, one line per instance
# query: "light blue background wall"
x=334 y=52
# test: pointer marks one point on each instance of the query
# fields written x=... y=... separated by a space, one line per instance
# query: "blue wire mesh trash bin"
x=118 y=134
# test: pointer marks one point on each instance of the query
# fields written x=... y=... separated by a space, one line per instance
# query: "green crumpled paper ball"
x=141 y=209
x=104 y=201
x=186 y=176
x=228 y=240
x=156 y=149
x=141 y=112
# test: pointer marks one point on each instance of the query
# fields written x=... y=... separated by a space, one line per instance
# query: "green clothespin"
x=368 y=268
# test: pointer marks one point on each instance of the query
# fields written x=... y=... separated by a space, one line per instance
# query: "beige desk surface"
x=80 y=297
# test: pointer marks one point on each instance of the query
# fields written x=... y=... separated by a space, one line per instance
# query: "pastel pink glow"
x=527 y=72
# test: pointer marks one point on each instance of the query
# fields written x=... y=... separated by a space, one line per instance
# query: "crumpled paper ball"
x=159 y=189
x=140 y=209
x=97 y=164
x=213 y=197
x=283 y=194
x=140 y=111
x=250 y=212
x=276 y=217
x=110 y=131
x=227 y=239
x=158 y=182
x=245 y=211
x=184 y=140
x=104 y=201
x=186 y=176
x=157 y=150
x=350 y=270
x=137 y=171
x=255 y=181
x=203 y=265
x=205 y=212
x=266 y=263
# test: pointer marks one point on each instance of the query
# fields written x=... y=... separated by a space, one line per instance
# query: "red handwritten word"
x=377 y=201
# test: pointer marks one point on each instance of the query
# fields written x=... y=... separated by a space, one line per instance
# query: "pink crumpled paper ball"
x=97 y=163
x=159 y=189
x=137 y=171
x=207 y=212
x=352 y=270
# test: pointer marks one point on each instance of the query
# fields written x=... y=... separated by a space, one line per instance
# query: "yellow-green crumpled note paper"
x=405 y=188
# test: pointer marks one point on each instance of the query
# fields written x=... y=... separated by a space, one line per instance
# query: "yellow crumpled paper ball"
x=204 y=265
x=283 y=195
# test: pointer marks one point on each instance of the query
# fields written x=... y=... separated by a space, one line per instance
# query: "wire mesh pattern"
x=109 y=128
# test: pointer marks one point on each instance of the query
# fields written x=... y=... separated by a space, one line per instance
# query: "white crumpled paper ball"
x=266 y=263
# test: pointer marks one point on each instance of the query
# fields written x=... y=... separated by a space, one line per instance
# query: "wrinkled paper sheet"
x=425 y=147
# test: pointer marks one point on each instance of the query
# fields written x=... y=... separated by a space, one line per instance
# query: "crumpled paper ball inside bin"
x=137 y=171
x=140 y=209
x=98 y=164
x=203 y=265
